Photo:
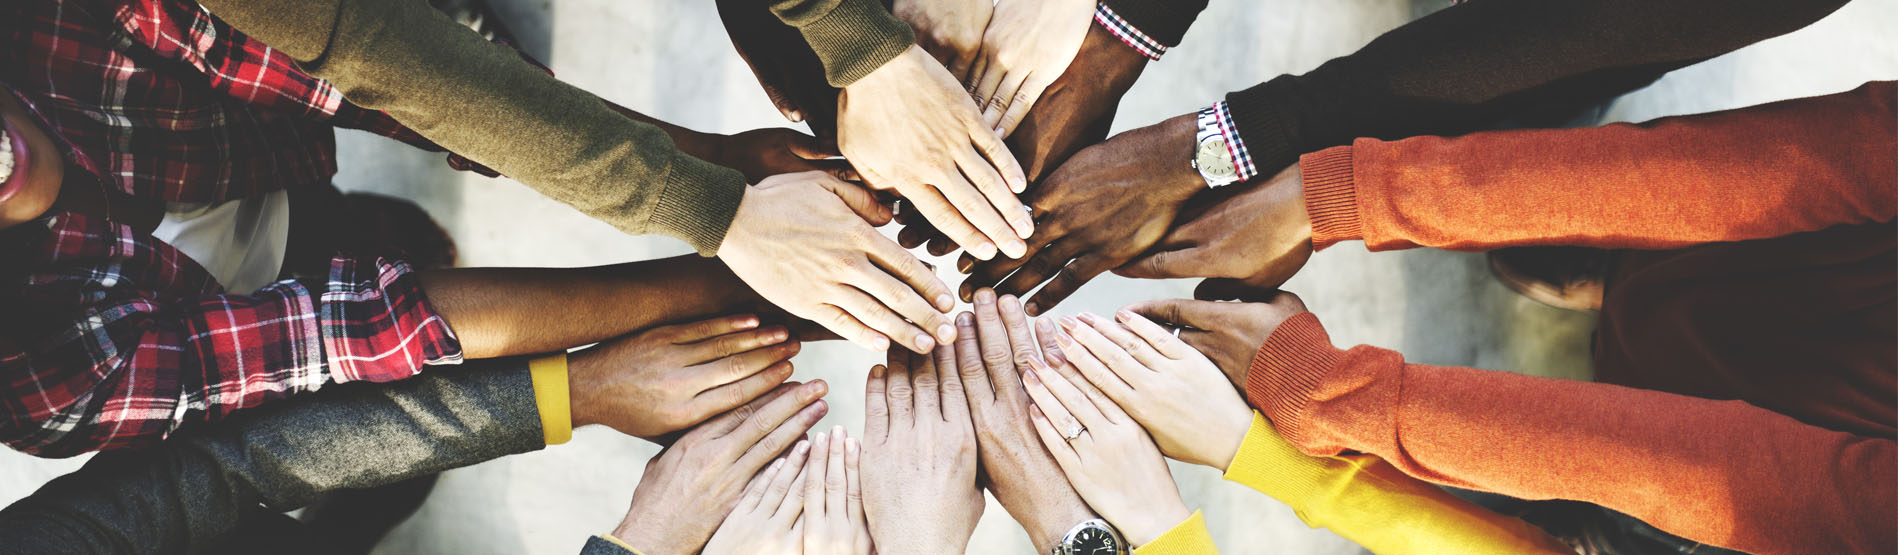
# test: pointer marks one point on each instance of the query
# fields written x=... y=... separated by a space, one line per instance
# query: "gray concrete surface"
x=672 y=60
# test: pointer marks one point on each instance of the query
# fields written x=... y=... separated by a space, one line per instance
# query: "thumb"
x=859 y=199
x=1224 y=289
x=1187 y=313
x=809 y=148
x=1167 y=264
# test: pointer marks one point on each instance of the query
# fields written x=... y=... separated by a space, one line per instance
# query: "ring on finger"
x=1074 y=432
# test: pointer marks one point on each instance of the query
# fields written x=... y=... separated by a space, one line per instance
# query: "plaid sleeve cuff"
x=1241 y=158
x=1141 y=42
x=377 y=324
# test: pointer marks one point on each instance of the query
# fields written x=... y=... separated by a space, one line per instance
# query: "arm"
x=436 y=77
x=184 y=494
x=1471 y=65
x=1722 y=472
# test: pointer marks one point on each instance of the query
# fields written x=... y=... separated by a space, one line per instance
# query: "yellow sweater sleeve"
x=1370 y=502
x=551 y=397
x=1189 y=537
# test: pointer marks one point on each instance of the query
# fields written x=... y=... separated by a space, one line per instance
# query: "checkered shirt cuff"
x=1140 y=42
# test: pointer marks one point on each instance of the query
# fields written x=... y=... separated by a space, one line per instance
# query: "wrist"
x=1153 y=524
x=1180 y=134
x=580 y=387
x=1230 y=436
x=1046 y=528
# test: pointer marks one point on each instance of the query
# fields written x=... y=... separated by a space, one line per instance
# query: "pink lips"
x=22 y=163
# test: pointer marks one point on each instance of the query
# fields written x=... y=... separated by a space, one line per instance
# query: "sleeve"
x=606 y=544
x=1753 y=173
x=1725 y=473
x=1148 y=26
x=115 y=366
x=1474 y=64
x=481 y=100
x=182 y=495
x=1189 y=537
x=851 y=37
x=1370 y=502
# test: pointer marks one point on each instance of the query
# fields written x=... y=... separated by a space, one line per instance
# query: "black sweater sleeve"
x=1472 y=65
x=185 y=493
x=1165 y=21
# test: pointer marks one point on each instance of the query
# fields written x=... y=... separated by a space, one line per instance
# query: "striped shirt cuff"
x=1140 y=42
x=1241 y=158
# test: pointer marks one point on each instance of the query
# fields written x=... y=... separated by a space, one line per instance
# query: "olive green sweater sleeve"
x=851 y=37
x=482 y=101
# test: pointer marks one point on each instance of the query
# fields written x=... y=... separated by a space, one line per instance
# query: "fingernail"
x=1032 y=309
x=924 y=343
x=778 y=336
x=817 y=388
x=984 y=250
x=1015 y=248
x=876 y=371
x=945 y=333
x=777 y=463
x=1090 y=318
x=748 y=323
x=945 y=303
x=880 y=343
x=802 y=445
x=965 y=319
x=984 y=296
x=963 y=265
x=1069 y=323
x=837 y=430
x=850 y=446
x=1030 y=377
x=1125 y=315
x=820 y=438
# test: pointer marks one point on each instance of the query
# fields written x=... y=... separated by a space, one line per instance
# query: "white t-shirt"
x=241 y=242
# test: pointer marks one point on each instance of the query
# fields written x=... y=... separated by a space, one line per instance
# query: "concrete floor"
x=672 y=60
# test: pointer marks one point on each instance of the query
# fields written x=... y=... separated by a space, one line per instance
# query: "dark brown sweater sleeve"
x=1752 y=173
x=1164 y=21
x=851 y=37
x=1725 y=473
x=1471 y=65
x=481 y=100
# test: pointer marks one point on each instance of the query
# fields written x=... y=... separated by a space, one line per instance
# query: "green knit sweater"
x=482 y=101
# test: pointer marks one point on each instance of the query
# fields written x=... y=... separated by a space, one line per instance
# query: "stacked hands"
x=1061 y=422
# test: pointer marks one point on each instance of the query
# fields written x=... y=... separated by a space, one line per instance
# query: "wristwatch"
x=1092 y=537
x=1211 y=157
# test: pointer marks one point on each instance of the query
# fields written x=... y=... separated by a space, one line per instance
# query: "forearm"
x=851 y=37
x=1471 y=65
x=183 y=494
x=1752 y=173
x=514 y=311
x=1721 y=472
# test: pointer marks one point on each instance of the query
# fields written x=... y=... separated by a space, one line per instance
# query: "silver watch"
x=1092 y=537
x=1211 y=157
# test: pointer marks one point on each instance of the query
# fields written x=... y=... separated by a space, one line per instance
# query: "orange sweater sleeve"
x=1720 y=472
x=1764 y=171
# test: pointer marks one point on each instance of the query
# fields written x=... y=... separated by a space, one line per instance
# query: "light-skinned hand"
x=919 y=459
x=1028 y=44
x=993 y=345
x=1261 y=237
x=1100 y=209
x=1227 y=333
x=1111 y=462
x=909 y=126
x=833 y=521
x=805 y=242
x=765 y=521
x=949 y=30
x=689 y=489
x=1179 y=396
x=669 y=378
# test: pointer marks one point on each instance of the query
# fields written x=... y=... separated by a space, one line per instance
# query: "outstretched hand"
x=762 y=153
x=949 y=30
x=919 y=446
x=669 y=378
x=1260 y=238
x=1106 y=455
x=1028 y=44
x=1173 y=391
x=1228 y=333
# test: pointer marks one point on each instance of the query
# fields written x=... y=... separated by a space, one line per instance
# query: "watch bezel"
x=1067 y=547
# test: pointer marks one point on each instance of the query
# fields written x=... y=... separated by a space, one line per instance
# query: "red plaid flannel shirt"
x=110 y=338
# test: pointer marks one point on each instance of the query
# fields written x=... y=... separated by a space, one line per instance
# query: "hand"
x=765 y=520
x=1103 y=207
x=1074 y=112
x=762 y=153
x=949 y=30
x=833 y=522
x=1170 y=389
x=992 y=346
x=670 y=378
x=909 y=126
x=802 y=242
x=1111 y=462
x=1260 y=237
x=919 y=456
x=1229 y=334
x=1027 y=45
x=690 y=487
x=783 y=62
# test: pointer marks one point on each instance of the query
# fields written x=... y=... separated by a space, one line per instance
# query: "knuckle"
x=999 y=359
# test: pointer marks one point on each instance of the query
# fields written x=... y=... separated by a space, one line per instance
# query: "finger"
x=1072 y=370
x=1024 y=100
x=793 y=505
x=965 y=67
x=809 y=148
x=922 y=376
x=998 y=354
x=777 y=439
x=887 y=323
x=1063 y=451
x=788 y=469
x=911 y=237
x=726 y=397
x=1203 y=315
x=1233 y=290
x=876 y=407
x=921 y=278
x=860 y=200
x=1005 y=96
x=975 y=377
x=1005 y=201
x=988 y=273
x=996 y=151
x=1050 y=342
x=1021 y=343
x=974 y=204
x=900 y=390
x=1070 y=279
x=955 y=404
x=698 y=331
x=722 y=346
x=940 y=245
x=1087 y=357
x=853 y=492
x=1135 y=353
x=1190 y=262
x=846 y=325
x=816 y=470
x=1043 y=265
x=991 y=78
x=755 y=489
x=901 y=296
x=1052 y=408
x=766 y=411
x=949 y=220
x=835 y=484
x=1063 y=392
x=1159 y=339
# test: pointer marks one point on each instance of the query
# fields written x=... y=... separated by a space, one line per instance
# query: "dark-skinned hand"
x=762 y=153
x=1229 y=333
x=1259 y=238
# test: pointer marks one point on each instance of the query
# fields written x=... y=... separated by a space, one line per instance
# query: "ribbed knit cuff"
x=1189 y=537
x=1273 y=466
x=1269 y=134
x=1164 y=22
x=854 y=39
x=1288 y=370
x=698 y=202
x=1331 y=196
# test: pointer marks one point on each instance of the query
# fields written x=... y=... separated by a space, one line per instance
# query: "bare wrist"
x=1154 y=524
x=1052 y=525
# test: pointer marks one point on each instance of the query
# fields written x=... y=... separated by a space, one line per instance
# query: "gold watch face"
x=1213 y=159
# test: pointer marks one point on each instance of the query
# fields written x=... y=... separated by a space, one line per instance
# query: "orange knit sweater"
x=1726 y=473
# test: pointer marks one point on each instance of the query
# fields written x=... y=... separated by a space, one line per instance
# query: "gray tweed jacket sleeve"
x=185 y=493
